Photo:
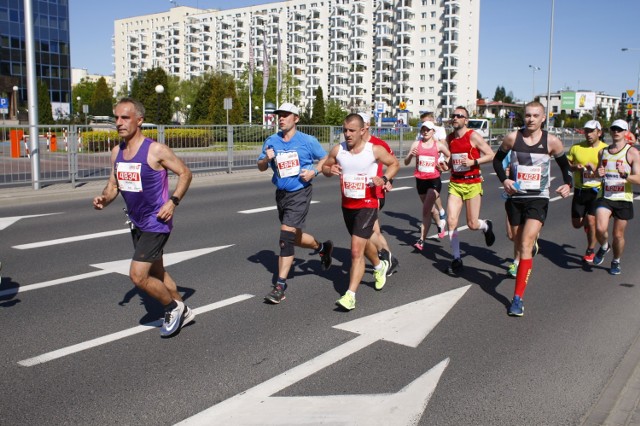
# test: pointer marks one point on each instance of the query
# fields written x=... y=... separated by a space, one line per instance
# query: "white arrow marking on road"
x=118 y=266
x=405 y=325
x=265 y=209
x=71 y=239
x=402 y=188
x=50 y=356
x=5 y=222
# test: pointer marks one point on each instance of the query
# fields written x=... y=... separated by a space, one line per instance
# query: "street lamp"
x=15 y=102
x=626 y=49
x=159 y=91
x=186 y=120
x=177 y=101
x=533 y=88
x=79 y=107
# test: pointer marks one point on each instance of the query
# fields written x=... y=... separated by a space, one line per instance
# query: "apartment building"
x=420 y=52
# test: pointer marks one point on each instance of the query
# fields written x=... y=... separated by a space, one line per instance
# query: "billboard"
x=577 y=100
x=567 y=100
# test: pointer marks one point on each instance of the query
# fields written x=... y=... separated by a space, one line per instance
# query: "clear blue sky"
x=588 y=36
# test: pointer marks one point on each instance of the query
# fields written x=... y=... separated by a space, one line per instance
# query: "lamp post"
x=533 y=87
x=79 y=107
x=186 y=120
x=15 y=102
x=626 y=49
x=177 y=101
x=159 y=91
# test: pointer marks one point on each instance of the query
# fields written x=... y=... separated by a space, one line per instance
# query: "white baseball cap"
x=620 y=123
x=428 y=124
x=592 y=124
x=365 y=117
x=288 y=107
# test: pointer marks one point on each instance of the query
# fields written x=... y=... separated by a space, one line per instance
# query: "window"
x=423 y=65
x=421 y=102
x=423 y=28
x=433 y=27
x=432 y=77
x=422 y=90
x=432 y=52
x=433 y=14
x=422 y=77
x=432 y=40
x=432 y=65
x=431 y=90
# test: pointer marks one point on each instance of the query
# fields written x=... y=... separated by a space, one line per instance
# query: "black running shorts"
x=293 y=206
x=148 y=246
x=360 y=221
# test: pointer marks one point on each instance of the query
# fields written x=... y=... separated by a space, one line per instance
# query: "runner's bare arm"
x=330 y=167
x=634 y=159
x=486 y=153
x=110 y=191
x=391 y=163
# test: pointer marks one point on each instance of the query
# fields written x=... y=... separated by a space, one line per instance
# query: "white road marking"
x=5 y=222
x=265 y=209
x=118 y=266
x=406 y=325
x=69 y=350
x=71 y=239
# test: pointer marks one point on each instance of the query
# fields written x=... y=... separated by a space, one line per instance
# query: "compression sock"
x=522 y=277
x=455 y=243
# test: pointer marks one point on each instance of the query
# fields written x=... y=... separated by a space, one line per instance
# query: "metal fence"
x=79 y=153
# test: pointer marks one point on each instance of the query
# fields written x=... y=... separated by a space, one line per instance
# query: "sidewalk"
x=25 y=195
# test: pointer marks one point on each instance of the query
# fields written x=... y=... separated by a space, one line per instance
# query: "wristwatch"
x=175 y=200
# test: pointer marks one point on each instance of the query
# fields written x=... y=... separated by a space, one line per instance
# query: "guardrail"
x=79 y=153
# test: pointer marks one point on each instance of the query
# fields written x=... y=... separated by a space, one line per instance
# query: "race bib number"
x=459 y=162
x=614 y=188
x=354 y=186
x=589 y=178
x=529 y=177
x=426 y=164
x=128 y=175
x=288 y=164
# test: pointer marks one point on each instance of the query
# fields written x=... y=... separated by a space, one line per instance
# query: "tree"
x=158 y=106
x=499 y=94
x=45 y=114
x=318 y=111
x=223 y=86
x=335 y=114
x=200 y=106
x=102 y=99
x=84 y=90
x=478 y=95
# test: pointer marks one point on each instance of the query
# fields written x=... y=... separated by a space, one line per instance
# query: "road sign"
x=228 y=102
x=629 y=106
x=630 y=92
x=512 y=115
x=381 y=107
x=4 y=106
x=403 y=105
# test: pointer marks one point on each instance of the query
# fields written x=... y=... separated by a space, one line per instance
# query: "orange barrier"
x=53 y=147
x=15 y=136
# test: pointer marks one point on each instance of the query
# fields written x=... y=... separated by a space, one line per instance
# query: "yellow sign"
x=403 y=105
x=629 y=106
x=550 y=114
x=630 y=93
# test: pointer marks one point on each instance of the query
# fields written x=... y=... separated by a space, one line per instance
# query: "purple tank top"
x=144 y=189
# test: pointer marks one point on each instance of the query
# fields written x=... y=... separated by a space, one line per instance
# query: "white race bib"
x=354 y=186
x=288 y=164
x=529 y=177
x=459 y=162
x=590 y=178
x=426 y=164
x=614 y=189
x=128 y=175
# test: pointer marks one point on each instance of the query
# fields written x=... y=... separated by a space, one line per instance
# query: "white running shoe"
x=172 y=320
x=189 y=315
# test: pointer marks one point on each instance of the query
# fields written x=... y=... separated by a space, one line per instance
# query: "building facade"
x=422 y=53
x=51 y=38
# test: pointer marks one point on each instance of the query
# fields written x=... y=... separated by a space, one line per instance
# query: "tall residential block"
x=420 y=52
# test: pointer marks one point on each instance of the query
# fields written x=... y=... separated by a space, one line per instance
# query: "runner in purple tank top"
x=139 y=172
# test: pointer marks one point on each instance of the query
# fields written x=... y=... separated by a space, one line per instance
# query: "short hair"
x=427 y=114
x=137 y=105
x=535 y=104
x=466 y=111
x=354 y=117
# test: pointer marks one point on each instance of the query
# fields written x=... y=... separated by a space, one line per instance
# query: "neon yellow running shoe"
x=513 y=270
x=347 y=301
x=381 y=275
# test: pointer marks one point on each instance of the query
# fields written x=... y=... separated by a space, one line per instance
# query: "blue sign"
x=4 y=103
x=512 y=115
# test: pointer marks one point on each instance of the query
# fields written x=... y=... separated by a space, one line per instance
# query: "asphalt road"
x=80 y=346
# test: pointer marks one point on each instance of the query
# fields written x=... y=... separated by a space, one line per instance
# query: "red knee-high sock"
x=522 y=277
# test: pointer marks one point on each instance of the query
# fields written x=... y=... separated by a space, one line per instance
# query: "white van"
x=480 y=125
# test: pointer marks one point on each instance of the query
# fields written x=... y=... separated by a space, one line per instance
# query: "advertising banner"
x=568 y=100
x=585 y=100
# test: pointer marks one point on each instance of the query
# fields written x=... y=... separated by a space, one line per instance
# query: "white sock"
x=352 y=293
x=605 y=245
x=378 y=266
x=455 y=244
x=483 y=225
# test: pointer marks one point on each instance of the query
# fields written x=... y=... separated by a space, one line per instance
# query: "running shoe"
x=442 y=229
x=393 y=266
x=535 y=248
x=588 y=256
x=172 y=320
x=455 y=267
x=418 y=245
x=188 y=316
x=380 y=275
x=489 y=237
x=516 y=309
x=599 y=257
x=276 y=295
x=513 y=270
x=347 y=301
x=391 y=260
x=325 y=254
x=615 y=268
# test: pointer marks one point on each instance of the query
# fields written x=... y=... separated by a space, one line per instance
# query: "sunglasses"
x=458 y=116
x=616 y=129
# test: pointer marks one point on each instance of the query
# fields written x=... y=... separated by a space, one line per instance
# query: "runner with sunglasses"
x=468 y=150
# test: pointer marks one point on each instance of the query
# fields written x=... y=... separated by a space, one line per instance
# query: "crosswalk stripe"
x=71 y=239
x=265 y=209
